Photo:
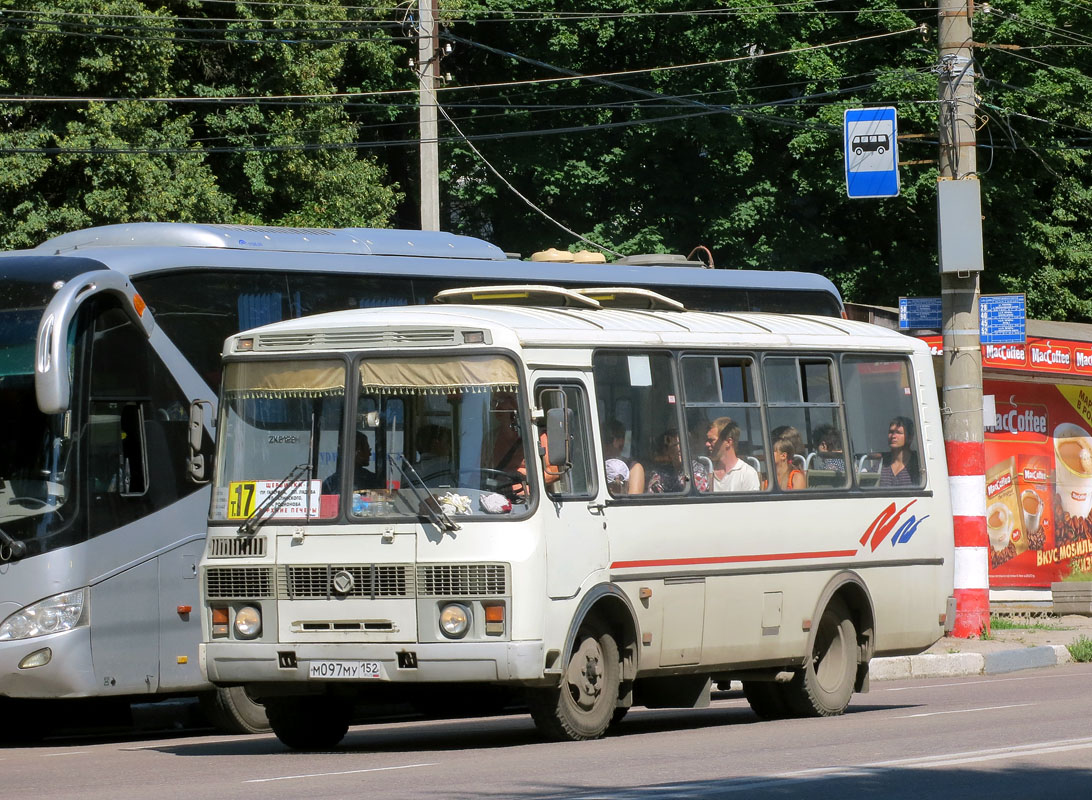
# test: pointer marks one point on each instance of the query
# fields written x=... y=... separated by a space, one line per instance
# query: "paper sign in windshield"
x=295 y=501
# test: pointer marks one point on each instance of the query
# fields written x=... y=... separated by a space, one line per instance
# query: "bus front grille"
x=252 y=583
x=236 y=547
x=345 y=580
x=462 y=580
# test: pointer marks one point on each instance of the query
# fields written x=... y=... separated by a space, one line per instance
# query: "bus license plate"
x=346 y=670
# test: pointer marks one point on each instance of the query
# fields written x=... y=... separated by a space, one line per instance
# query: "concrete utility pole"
x=428 y=70
x=960 y=237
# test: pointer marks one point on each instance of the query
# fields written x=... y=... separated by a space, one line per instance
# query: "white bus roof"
x=537 y=327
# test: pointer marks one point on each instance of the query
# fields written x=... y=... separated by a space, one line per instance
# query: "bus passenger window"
x=725 y=440
x=803 y=408
x=884 y=447
x=639 y=389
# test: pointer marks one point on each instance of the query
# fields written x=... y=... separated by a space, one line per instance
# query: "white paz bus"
x=594 y=497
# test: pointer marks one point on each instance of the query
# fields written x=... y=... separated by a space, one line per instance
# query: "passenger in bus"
x=665 y=473
x=730 y=472
x=900 y=464
x=788 y=476
x=624 y=476
x=701 y=466
x=363 y=478
x=828 y=447
x=795 y=439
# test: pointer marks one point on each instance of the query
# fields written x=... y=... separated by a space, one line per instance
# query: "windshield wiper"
x=432 y=506
x=276 y=499
x=18 y=549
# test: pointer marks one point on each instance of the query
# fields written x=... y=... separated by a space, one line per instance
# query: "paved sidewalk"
x=1006 y=650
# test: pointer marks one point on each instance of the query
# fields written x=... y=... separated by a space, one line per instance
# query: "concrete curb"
x=951 y=665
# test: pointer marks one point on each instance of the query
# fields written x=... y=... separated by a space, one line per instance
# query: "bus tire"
x=583 y=705
x=824 y=685
x=309 y=723
x=233 y=710
x=767 y=699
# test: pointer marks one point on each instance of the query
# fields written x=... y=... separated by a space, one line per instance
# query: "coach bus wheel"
x=583 y=706
x=767 y=699
x=309 y=723
x=232 y=710
x=824 y=685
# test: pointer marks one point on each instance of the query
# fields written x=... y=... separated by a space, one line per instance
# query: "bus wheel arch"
x=840 y=645
x=598 y=664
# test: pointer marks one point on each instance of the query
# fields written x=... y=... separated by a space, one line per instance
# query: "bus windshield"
x=35 y=484
x=422 y=435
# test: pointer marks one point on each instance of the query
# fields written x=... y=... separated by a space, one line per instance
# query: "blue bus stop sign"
x=872 y=152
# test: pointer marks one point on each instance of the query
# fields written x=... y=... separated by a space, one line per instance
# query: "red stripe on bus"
x=683 y=562
x=966 y=458
x=970 y=531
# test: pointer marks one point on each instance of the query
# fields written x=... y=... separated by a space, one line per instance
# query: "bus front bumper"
x=234 y=663
x=66 y=673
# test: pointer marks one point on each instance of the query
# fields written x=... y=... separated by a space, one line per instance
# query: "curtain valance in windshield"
x=258 y=379
x=440 y=375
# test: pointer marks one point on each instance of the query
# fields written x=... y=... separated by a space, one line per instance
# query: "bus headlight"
x=454 y=620
x=248 y=622
x=61 y=612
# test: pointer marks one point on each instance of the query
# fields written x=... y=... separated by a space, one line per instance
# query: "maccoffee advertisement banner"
x=1038 y=482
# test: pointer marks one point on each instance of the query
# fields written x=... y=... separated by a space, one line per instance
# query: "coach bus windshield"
x=416 y=437
x=35 y=482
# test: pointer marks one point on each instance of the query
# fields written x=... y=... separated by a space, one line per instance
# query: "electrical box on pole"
x=959 y=225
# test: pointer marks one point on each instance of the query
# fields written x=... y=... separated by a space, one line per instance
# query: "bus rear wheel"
x=233 y=710
x=309 y=723
x=824 y=685
x=767 y=699
x=583 y=705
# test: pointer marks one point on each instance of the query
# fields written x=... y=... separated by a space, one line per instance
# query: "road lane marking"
x=961 y=711
x=981 y=679
x=68 y=753
x=328 y=774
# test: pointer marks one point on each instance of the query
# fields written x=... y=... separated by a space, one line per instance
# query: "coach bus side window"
x=638 y=390
x=724 y=424
x=805 y=421
x=878 y=393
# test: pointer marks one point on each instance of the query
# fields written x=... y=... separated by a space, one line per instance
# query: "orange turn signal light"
x=219 y=616
x=494 y=613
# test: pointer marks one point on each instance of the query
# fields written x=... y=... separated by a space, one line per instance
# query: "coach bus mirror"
x=559 y=426
x=195 y=465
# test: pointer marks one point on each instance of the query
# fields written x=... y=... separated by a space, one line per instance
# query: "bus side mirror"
x=559 y=426
x=195 y=465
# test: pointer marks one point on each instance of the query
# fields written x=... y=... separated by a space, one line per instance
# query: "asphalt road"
x=1021 y=735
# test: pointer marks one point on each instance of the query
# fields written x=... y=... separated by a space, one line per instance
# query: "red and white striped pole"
x=967 y=482
x=960 y=234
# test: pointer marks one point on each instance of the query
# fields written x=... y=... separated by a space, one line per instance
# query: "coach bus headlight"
x=454 y=620
x=62 y=612
x=248 y=622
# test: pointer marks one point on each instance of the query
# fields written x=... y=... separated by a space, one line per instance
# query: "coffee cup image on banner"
x=1073 y=468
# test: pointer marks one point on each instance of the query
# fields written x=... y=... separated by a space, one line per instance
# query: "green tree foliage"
x=642 y=125
x=744 y=154
x=109 y=146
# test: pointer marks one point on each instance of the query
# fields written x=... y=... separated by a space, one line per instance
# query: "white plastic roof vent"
x=517 y=295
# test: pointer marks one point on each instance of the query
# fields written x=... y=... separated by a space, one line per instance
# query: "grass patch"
x=1080 y=649
x=1010 y=624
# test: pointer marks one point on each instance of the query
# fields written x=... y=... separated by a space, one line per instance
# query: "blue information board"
x=871 y=152
x=916 y=313
x=1003 y=319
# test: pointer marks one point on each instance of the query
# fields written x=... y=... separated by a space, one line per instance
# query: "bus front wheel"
x=824 y=685
x=583 y=705
x=309 y=723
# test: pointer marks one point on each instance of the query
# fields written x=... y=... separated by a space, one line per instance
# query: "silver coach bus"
x=108 y=337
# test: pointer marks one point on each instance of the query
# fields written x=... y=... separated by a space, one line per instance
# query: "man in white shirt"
x=730 y=472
